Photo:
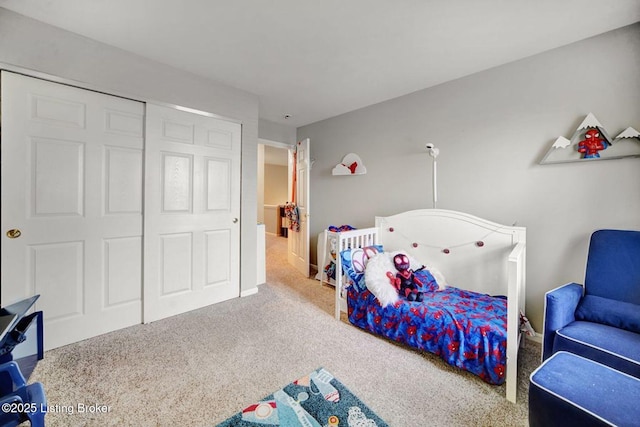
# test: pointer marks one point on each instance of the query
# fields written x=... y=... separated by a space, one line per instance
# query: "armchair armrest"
x=559 y=310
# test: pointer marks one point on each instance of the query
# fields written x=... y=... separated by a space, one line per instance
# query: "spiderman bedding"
x=466 y=329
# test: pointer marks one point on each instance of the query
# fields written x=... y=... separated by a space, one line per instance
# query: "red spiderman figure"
x=405 y=281
x=591 y=144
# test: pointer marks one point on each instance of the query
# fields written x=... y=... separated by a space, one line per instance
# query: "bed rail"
x=516 y=281
x=352 y=239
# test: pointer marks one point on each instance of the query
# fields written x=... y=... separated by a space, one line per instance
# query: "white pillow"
x=377 y=281
x=440 y=280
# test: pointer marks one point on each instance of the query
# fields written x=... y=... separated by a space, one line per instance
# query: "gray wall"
x=276 y=184
x=492 y=129
x=27 y=43
x=276 y=132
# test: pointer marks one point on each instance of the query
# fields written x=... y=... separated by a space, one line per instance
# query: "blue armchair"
x=20 y=402
x=600 y=320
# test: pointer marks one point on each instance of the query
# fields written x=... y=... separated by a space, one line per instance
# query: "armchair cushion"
x=614 y=347
x=613 y=265
x=610 y=312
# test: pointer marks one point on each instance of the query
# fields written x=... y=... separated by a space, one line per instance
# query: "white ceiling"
x=315 y=59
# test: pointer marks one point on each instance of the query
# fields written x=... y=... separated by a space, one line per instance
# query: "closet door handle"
x=235 y=220
x=14 y=233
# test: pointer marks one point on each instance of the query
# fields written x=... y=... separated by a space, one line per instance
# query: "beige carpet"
x=199 y=368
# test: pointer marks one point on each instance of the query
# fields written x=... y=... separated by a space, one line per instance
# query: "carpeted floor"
x=200 y=368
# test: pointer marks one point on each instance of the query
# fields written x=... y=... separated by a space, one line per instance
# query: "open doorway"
x=276 y=165
x=273 y=185
x=273 y=195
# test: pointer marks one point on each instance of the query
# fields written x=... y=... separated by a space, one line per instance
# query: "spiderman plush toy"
x=405 y=280
x=592 y=144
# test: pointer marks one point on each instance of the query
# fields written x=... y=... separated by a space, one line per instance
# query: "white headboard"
x=477 y=249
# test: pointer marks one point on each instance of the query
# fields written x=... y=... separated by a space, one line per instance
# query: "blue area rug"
x=315 y=400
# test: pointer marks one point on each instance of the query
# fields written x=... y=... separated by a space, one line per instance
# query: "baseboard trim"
x=248 y=292
x=537 y=338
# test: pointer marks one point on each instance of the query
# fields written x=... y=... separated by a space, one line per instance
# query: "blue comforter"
x=466 y=329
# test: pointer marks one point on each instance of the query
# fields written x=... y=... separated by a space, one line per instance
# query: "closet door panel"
x=192 y=218
x=72 y=185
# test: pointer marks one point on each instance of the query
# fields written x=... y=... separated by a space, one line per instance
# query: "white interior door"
x=298 y=242
x=72 y=186
x=192 y=211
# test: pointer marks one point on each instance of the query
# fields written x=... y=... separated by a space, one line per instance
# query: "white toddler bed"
x=471 y=253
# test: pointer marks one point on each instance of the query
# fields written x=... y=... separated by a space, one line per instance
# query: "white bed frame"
x=483 y=256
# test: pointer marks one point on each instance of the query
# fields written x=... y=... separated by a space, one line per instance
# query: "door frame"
x=107 y=91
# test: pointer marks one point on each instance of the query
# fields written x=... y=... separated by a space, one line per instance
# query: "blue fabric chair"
x=20 y=402
x=600 y=320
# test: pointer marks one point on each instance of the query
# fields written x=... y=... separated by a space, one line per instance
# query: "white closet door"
x=192 y=211
x=72 y=186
